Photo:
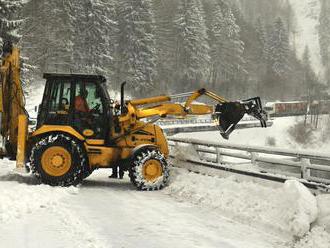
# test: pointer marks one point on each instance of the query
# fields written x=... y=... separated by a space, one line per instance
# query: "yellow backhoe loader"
x=80 y=128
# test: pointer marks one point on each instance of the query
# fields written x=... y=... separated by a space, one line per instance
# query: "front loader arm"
x=227 y=114
x=173 y=109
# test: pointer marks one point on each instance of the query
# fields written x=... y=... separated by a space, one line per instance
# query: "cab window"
x=60 y=97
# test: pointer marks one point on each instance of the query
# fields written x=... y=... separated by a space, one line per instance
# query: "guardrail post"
x=219 y=156
x=196 y=150
x=305 y=170
x=254 y=158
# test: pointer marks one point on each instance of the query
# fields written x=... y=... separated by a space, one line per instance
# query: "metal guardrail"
x=169 y=122
x=308 y=166
x=202 y=125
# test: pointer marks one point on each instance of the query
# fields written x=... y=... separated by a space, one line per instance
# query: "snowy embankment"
x=290 y=210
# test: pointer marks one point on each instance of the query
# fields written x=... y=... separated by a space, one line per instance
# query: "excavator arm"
x=227 y=114
x=13 y=116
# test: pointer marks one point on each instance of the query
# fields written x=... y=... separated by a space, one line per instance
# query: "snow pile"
x=183 y=152
x=21 y=194
x=22 y=197
x=17 y=200
x=303 y=207
x=316 y=238
x=289 y=209
x=323 y=202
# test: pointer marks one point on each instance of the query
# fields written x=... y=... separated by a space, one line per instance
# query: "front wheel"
x=149 y=170
x=59 y=160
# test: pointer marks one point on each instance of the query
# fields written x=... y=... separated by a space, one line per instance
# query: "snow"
x=317 y=238
x=324 y=211
x=277 y=132
x=34 y=98
x=32 y=214
x=193 y=211
x=289 y=209
x=111 y=213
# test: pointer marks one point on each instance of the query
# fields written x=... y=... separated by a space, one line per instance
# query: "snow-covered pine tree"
x=226 y=46
x=165 y=42
x=9 y=21
x=95 y=36
x=48 y=35
x=311 y=83
x=136 y=55
x=324 y=34
x=261 y=36
x=192 y=48
x=278 y=49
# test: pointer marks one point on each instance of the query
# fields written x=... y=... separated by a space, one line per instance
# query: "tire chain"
x=136 y=173
x=78 y=175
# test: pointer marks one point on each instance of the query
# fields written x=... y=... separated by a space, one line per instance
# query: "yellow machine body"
x=101 y=156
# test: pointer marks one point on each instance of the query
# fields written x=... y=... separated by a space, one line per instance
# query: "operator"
x=80 y=102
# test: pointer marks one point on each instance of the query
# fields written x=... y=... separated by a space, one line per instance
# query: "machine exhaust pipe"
x=122 y=98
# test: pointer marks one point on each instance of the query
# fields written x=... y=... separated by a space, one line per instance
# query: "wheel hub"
x=152 y=170
x=56 y=161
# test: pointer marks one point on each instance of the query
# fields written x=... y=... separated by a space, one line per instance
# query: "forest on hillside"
x=239 y=48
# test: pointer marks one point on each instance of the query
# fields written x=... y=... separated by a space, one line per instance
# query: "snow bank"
x=317 y=238
x=323 y=202
x=289 y=209
x=21 y=194
x=17 y=200
x=183 y=152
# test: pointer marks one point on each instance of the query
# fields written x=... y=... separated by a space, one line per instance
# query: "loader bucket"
x=229 y=114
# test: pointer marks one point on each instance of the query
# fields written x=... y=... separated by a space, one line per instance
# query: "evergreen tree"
x=95 y=35
x=192 y=48
x=227 y=48
x=165 y=42
x=324 y=34
x=309 y=75
x=261 y=37
x=48 y=35
x=278 y=49
x=9 y=21
x=136 y=55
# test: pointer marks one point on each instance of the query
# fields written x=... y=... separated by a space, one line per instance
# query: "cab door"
x=89 y=110
x=56 y=103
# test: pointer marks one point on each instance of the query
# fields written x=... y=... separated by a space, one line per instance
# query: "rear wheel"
x=59 y=160
x=149 y=170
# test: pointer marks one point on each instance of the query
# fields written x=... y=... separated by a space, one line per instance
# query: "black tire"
x=78 y=170
x=136 y=171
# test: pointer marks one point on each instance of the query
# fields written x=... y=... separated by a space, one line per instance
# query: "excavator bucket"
x=228 y=114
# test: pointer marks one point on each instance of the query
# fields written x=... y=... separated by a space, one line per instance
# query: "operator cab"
x=76 y=100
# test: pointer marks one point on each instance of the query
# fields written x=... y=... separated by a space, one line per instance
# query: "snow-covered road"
x=193 y=211
x=111 y=213
x=128 y=218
